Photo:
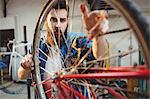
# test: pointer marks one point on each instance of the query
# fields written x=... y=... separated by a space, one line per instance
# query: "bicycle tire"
x=134 y=16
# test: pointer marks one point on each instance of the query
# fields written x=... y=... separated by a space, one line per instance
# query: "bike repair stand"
x=29 y=81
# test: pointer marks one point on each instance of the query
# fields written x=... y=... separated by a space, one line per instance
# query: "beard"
x=60 y=36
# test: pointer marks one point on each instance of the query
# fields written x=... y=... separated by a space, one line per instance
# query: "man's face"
x=57 y=21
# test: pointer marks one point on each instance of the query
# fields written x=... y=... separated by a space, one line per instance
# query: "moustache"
x=57 y=31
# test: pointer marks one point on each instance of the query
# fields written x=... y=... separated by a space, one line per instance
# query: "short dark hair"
x=60 y=4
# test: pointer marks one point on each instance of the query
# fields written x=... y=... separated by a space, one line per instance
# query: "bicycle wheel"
x=71 y=76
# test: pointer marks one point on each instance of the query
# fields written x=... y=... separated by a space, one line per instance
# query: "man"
x=57 y=23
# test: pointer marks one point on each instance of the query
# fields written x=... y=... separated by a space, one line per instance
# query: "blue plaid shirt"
x=81 y=41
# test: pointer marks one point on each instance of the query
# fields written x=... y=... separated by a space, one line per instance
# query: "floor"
x=13 y=90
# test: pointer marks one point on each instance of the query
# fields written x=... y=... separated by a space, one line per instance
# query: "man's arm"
x=100 y=47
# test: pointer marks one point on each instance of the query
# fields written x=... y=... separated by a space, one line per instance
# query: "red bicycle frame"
x=113 y=72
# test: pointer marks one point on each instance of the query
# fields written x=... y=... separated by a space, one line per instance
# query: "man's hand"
x=27 y=62
x=24 y=70
x=95 y=22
